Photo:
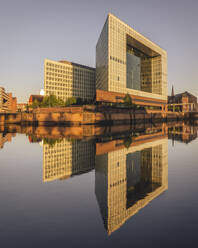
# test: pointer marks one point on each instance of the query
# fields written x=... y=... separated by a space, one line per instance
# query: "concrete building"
x=127 y=179
x=65 y=79
x=66 y=158
x=127 y=62
x=8 y=103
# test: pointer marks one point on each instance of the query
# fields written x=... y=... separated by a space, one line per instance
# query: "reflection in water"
x=182 y=132
x=5 y=137
x=126 y=180
x=131 y=163
x=66 y=158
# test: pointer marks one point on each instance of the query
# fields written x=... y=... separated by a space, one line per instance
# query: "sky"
x=32 y=30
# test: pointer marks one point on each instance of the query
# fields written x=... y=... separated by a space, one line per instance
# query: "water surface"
x=116 y=189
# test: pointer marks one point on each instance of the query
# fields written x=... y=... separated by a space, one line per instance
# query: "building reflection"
x=182 y=132
x=127 y=179
x=5 y=137
x=131 y=163
x=65 y=158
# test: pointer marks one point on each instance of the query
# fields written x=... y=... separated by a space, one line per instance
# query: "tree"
x=51 y=142
x=52 y=101
x=71 y=101
x=127 y=100
x=127 y=142
x=35 y=104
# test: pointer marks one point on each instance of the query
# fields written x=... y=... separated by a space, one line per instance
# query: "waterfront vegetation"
x=51 y=141
x=53 y=101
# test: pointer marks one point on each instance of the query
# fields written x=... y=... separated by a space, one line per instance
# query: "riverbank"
x=92 y=115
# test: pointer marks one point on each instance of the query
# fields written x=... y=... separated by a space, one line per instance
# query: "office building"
x=128 y=62
x=65 y=79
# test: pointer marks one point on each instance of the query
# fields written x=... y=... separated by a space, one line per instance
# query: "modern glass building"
x=128 y=62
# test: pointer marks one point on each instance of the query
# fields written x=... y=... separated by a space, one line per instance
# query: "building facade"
x=184 y=102
x=65 y=79
x=127 y=62
x=8 y=103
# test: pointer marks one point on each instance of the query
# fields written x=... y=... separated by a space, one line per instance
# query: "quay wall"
x=90 y=115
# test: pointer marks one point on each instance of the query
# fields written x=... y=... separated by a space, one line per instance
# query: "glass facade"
x=133 y=72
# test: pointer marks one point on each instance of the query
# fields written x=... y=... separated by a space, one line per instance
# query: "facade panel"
x=133 y=72
x=102 y=59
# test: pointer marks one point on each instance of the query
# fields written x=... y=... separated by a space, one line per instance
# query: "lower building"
x=65 y=79
x=114 y=97
x=33 y=98
x=184 y=102
x=8 y=103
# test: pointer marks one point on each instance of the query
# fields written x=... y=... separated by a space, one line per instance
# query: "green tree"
x=71 y=101
x=35 y=104
x=127 y=100
x=52 y=101
x=127 y=142
x=51 y=142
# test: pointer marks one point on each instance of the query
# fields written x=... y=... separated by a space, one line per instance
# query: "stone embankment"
x=91 y=115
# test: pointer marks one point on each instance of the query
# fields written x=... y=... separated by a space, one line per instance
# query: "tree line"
x=53 y=101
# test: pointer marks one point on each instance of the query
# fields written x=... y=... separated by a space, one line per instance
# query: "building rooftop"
x=75 y=64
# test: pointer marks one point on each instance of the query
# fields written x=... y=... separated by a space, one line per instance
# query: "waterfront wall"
x=90 y=115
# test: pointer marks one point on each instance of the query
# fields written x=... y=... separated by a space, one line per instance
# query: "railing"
x=182 y=107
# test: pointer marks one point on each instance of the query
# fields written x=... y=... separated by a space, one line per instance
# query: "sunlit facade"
x=127 y=62
x=65 y=79
x=8 y=103
x=128 y=179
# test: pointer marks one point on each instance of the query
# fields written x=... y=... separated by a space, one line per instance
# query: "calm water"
x=62 y=187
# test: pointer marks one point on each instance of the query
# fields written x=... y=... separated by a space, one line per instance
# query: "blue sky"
x=32 y=30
